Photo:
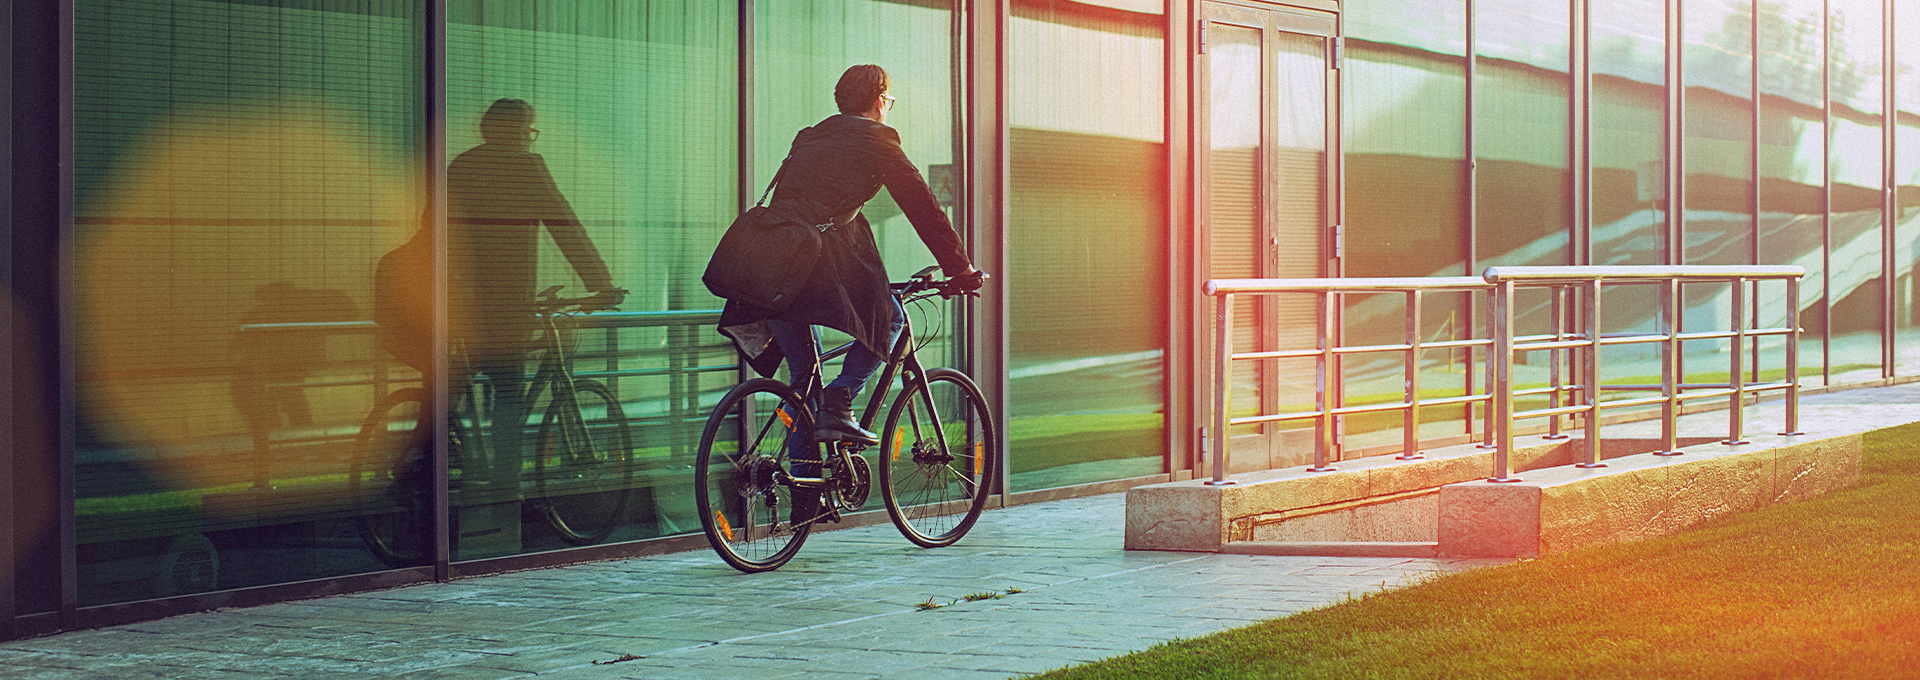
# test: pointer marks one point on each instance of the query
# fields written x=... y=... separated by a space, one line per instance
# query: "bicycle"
x=938 y=455
x=582 y=463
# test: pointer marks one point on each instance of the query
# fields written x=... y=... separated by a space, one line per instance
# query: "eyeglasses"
x=887 y=101
x=535 y=135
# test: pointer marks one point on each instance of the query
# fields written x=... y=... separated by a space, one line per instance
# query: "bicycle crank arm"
x=812 y=483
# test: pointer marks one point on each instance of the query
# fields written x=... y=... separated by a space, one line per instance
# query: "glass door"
x=1266 y=124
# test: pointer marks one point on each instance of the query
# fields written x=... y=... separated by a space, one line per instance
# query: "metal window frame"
x=8 y=605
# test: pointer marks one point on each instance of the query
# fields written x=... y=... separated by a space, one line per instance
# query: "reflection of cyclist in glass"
x=834 y=168
x=499 y=194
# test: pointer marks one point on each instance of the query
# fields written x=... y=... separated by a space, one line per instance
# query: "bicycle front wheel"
x=583 y=463
x=941 y=454
x=741 y=481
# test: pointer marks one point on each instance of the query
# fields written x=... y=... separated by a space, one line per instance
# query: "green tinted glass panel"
x=801 y=49
x=1855 y=279
x=1406 y=186
x=1906 y=184
x=590 y=143
x=1087 y=236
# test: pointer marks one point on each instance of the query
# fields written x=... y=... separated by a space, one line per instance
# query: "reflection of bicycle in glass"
x=582 y=468
x=937 y=456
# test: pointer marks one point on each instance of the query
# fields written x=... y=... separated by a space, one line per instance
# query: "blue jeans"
x=801 y=345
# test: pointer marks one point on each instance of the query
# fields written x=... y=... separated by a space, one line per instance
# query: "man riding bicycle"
x=834 y=168
x=499 y=195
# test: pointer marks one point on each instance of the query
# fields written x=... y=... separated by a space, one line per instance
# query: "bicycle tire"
x=583 y=464
x=737 y=475
x=937 y=491
x=395 y=522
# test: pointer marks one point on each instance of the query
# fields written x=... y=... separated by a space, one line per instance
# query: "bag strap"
x=837 y=221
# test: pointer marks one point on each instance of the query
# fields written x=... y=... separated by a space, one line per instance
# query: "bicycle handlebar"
x=549 y=301
x=923 y=282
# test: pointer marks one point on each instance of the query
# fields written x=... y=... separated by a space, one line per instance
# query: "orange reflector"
x=978 y=457
x=784 y=418
x=899 y=437
x=726 y=528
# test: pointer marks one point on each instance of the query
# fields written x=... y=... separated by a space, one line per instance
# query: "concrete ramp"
x=1443 y=505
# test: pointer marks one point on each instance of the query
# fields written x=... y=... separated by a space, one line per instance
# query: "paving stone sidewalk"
x=844 y=608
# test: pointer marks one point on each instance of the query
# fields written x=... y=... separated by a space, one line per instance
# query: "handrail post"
x=1793 y=358
x=1323 y=387
x=1669 y=367
x=1410 y=427
x=1556 y=359
x=1736 y=365
x=1590 y=378
x=1502 y=361
x=1222 y=386
x=1490 y=435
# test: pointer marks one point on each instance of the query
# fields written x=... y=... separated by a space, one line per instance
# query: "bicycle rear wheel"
x=941 y=455
x=387 y=479
x=741 y=482
x=583 y=463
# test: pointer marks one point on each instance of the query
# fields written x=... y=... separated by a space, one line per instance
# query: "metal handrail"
x=1500 y=284
x=1588 y=340
x=1327 y=388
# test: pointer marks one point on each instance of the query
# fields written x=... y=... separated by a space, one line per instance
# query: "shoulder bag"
x=767 y=255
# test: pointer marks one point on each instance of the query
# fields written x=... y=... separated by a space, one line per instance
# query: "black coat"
x=835 y=167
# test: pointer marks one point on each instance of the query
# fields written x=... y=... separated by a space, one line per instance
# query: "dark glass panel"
x=240 y=169
x=1087 y=234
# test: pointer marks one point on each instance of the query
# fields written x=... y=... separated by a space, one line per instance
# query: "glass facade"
x=244 y=336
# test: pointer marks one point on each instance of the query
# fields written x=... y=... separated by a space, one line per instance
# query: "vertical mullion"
x=1179 y=392
x=8 y=516
x=1471 y=151
x=1753 y=171
x=1826 y=194
x=988 y=189
x=744 y=148
x=1676 y=136
x=1887 y=211
x=1472 y=210
x=65 y=423
x=1753 y=142
x=1580 y=131
x=438 y=381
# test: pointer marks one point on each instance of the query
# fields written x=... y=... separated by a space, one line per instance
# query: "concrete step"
x=1332 y=548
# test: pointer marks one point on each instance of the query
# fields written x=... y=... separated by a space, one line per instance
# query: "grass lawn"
x=1823 y=588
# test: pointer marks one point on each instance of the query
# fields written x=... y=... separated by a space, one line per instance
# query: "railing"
x=1501 y=284
x=682 y=356
x=1327 y=388
x=1588 y=340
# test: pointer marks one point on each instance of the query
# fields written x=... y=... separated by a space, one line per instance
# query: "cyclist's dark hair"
x=504 y=117
x=859 y=86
